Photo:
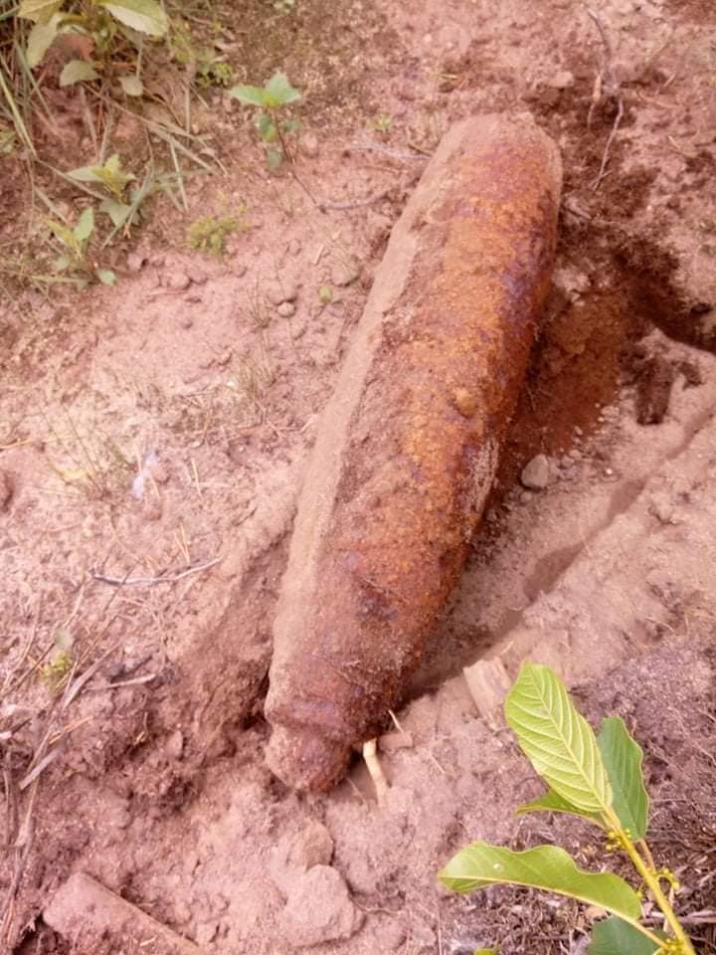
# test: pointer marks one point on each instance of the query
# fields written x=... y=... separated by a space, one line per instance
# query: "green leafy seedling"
x=600 y=779
x=75 y=242
x=383 y=124
x=114 y=180
x=110 y=176
x=269 y=100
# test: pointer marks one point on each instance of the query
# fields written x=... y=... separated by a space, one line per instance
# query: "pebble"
x=279 y=292
x=186 y=322
x=206 y=932
x=135 y=261
x=345 y=273
x=197 y=275
x=177 y=280
x=319 y=909
x=286 y=309
x=294 y=247
x=7 y=490
x=535 y=474
x=174 y=746
x=562 y=80
x=308 y=144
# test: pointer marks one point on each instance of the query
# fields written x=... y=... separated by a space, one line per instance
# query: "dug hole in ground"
x=138 y=812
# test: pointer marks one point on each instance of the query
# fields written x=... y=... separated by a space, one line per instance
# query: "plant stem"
x=651 y=880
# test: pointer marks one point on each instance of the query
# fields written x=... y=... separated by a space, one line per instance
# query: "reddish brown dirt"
x=158 y=788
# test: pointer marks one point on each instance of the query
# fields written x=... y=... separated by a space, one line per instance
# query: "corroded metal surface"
x=408 y=446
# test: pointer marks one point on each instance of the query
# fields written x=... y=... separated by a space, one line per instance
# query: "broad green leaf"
x=85 y=225
x=41 y=38
x=545 y=867
x=111 y=175
x=279 y=92
x=557 y=740
x=249 y=95
x=553 y=802
x=39 y=11
x=64 y=234
x=145 y=16
x=106 y=276
x=118 y=212
x=612 y=936
x=77 y=71
x=132 y=85
x=623 y=758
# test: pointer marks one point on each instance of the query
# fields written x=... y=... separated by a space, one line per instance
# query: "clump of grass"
x=209 y=234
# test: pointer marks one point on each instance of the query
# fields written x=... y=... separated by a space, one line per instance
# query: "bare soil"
x=152 y=443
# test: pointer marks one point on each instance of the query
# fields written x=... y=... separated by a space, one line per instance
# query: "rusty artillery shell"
x=408 y=445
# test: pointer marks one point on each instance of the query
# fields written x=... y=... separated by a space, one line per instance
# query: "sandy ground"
x=152 y=443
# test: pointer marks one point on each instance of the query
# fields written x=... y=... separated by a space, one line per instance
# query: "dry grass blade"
x=14 y=111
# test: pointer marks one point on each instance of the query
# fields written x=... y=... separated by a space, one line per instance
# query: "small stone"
x=535 y=474
x=206 y=932
x=174 y=746
x=344 y=273
x=197 y=275
x=319 y=909
x=176 y=280
x=562 y=80
x=308 y=144
x=662 y=508
x=283 y=291
x=186 y=321
x=7 y=489
x=135 y=261
x=465 y=402
x=294 y=247
x=526 y=497
x=239 y=269
x=286 y=309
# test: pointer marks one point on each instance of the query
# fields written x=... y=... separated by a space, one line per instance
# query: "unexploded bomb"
x=409 y=443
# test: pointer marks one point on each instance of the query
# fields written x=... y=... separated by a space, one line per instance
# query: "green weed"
x=209 y=234
x=600 y=779
x=270 y=100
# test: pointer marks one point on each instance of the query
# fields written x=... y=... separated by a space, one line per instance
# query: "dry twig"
x=151 y=581
x=606 y=85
